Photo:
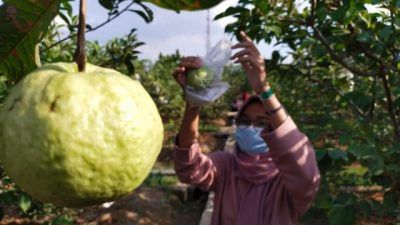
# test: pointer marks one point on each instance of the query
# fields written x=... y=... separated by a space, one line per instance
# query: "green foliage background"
x=341 y=83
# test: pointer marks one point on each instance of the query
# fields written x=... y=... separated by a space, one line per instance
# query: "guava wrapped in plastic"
x=204 y=84
x=200 y=78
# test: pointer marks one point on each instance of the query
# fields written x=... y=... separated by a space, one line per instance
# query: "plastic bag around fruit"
x=205 y=85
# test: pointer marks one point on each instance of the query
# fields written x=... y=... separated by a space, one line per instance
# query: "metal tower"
x=208 y=32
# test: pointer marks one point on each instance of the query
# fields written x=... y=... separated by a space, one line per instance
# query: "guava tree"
x=338 y=72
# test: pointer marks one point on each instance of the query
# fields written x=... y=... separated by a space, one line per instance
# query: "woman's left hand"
x=252 y=62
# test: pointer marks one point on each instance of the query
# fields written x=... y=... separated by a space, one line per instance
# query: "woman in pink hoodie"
x=272 y=177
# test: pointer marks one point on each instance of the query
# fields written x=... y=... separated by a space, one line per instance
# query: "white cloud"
x=186 y=44
x=376 y=8
x=59 y=21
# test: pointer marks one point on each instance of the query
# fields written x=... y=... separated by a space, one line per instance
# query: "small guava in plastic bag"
x=204 y=85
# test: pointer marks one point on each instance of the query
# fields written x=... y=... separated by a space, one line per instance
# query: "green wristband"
x=267 y=94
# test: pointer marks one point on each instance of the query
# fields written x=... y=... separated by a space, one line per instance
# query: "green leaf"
x=358 y=98
x=318 y=51
x=339 y=14
x=62 y=220
x=22 y=25
x=347 y=199
x=393 y=150
x=342 y=215
x=145 y=17
x=276 y=56
x=276 y=29
x=365 y=207
x=377 y=207
x=8 y=197
x=3 y=89
x=290 y=7
x=320 y=154
x=321 y=12
x=395 y=3
x=385 y=33
x=393 y=168
x=65 y=5
x=375 y=164
x=389 y=202
x=231 y=11
x=346 y=138
x=108 y=4
x=359 y=7
x=365 y=37
x=147 y=10
x=362 y=151
x=337 y=154
x=65 y=18
x=24 y=203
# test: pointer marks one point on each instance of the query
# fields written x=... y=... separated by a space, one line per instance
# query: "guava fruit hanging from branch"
x=75 y=138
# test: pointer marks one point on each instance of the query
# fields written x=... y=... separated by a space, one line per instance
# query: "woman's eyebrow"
x=262 y=117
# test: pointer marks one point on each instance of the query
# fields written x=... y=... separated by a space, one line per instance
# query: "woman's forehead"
x=254 y=110
x=252 y=107
x=251 y=116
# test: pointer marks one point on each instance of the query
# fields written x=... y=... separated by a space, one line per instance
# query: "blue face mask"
x=249 y=140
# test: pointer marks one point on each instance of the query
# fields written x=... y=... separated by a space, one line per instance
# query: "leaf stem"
x=80 y=54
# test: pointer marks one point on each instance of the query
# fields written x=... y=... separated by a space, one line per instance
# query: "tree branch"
x=291 y=20
x=338 y=58
x=312 y=2
x=341 y=94
x=373 y=90
x=332 y=53
x=110 y=19
x=394 y=50
x=370 y=54
x=330 y=86
x=390 y=107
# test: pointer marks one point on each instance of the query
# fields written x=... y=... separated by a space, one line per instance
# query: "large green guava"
x=78 y=139
x=200 y=78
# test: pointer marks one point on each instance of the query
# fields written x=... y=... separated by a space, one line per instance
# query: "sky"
x=168 y=32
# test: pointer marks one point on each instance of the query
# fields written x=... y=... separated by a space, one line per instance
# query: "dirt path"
x=146 y=206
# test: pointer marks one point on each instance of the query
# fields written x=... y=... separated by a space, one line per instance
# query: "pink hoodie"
x=275 y=188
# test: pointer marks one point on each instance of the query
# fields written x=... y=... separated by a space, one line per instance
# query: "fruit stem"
x=80 y=54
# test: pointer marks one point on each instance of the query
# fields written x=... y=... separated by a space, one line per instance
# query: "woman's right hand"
x=186 y=64
x=190 y=122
